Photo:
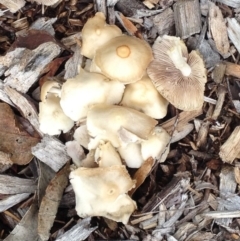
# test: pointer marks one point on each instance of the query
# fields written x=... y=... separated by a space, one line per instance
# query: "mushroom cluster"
x=115 y=104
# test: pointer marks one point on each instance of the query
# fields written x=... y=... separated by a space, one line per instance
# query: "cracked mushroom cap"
x=143 y=96
x=178 y=76
x=97 y=32
x=105 y=121
x=124 y=58
x=102 y=192
x=86 y=89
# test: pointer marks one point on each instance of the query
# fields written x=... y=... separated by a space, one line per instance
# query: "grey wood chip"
x=234 y=32
x=10 y=201
x=73 y=63
x=26 y=230
x=52 y=152
x=23 y=67
x=231 y=3
x=24 y=106
x=44 y=24
x=80 y=231
x=14 y=185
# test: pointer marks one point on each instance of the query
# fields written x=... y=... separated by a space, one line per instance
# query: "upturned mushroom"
x=103 y=192
x=95 y=33
x=178 y=76
x=86 y=89
x=143 y=96
x=124 y=58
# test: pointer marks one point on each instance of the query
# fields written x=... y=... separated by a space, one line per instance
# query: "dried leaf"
x=142 y=173
x=13 y=140
x=50 y=202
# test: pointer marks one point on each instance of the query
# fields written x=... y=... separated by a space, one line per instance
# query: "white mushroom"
x=102 y=192
x=86 y=89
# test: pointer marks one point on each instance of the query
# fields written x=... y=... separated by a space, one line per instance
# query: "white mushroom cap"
x=102 y=192
x=156 y=145
x=143 y=96
x=95 y=33
x=178 y=76
x=106 y=155
x=104 y=122
x=131 y=154
x=50 y=87
x=52 y=118
x=86 y=89
x=124 y=58
x=81 y=136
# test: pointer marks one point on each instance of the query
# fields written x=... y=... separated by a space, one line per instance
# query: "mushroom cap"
x=86 y=89
x=143 y=96
x=184 y=92
x=49 y=87
x=96 y=33
x=104 y=122
x=52 y=118
x=124 y=58
x=81 y=136
x=102 y=192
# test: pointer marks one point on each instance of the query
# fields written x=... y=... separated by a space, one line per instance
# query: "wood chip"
x=230 y=149
x=186 y=22
x=164 y=22
x=5 y=161
x=14 y=185
x=12 y=200
x=13 y=5
x=52 y=152
x=218 y=29
x=24 y=106
x=80 y=231
x=21 y=75
x=232 y=69
x=234 y=32
x=218 y=72
x=231 y=3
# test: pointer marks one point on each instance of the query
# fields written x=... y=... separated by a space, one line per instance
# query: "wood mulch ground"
x=193 y=195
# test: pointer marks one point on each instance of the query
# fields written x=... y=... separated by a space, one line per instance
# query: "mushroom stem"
x=179 y=61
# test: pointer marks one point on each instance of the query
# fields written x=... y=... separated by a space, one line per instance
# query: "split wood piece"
x=227 y=188
x=218 y=29
x=44 y=24
x=202 y=155
x=164 y=22
x=221 y=92
x=187 y=16
x=232 y=69
x=210 y=57
x=231 y=3
x=13 y=5
x=80 y=231
x=100 y=6
x=24 y=106
x=178 y=183
x=230 y=149
x=234 y=32
x=52 y=152
x=5 y=161
x=129 y=8
x=218 y=72
x=183 y=119
x=203 y=134
x=23 y=66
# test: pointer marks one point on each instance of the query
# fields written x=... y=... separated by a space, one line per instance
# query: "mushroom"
x=104 y=122
x=106 y=155
x=178 y=76
x=102 y=192
x=87 y=89
x=81 y=136
x=97 y=32
x=52 y=119
x=143 y=96
x=157 y=145
x=124 y=58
